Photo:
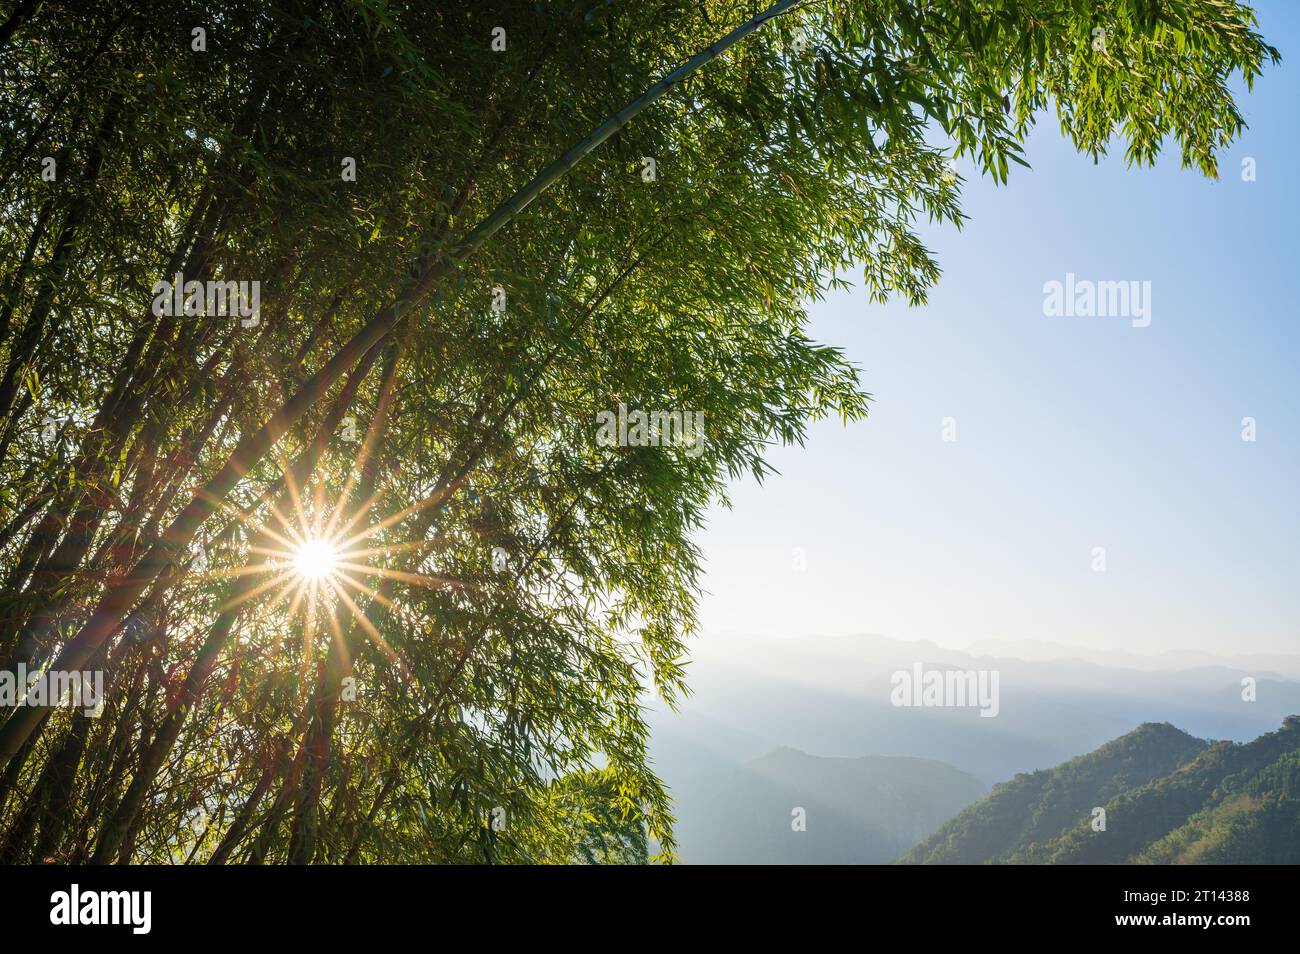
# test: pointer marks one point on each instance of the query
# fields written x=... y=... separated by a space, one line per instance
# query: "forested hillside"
x=1167 y=798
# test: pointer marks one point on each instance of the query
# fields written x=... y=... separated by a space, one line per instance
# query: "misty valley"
x=797 y=757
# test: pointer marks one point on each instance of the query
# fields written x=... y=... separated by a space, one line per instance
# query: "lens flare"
x=315 y=559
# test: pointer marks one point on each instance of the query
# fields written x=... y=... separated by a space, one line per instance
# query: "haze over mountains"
x=1285 y=665
x=829 y=697
x=789 y=807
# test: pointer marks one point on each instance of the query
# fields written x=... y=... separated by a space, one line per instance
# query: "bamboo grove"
x=475 y=228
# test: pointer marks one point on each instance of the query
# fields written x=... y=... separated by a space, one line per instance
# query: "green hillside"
x=1169 y=798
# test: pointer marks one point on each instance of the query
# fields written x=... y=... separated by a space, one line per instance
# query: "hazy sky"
x=1071 y=432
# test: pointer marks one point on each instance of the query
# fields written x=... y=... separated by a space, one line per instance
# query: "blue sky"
x=1072 y=433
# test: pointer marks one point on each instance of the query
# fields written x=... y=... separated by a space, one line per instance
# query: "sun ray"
x=404 y=576
x=361 y=619
x=336 y=631
x=299 y=594
x=362 y=511
x=373 y=594
x=258 y=528
x=365 y=452
x=437 y=497
x=284 y=576
x=236 y=572
x=286 y=591
x=389 y=548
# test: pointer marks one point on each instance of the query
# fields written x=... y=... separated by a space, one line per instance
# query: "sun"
x=327 y=562
x=315 y=559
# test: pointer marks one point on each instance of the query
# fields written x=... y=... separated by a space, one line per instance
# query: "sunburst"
x=322 y=559
x=316 y=559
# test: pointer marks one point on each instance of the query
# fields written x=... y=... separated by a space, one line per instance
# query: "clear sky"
x=1071 y=432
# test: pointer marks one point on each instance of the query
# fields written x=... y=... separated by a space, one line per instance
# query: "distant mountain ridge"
x=832 y=696
x=789 y=807
x=1168 y=798
x=1268 y=665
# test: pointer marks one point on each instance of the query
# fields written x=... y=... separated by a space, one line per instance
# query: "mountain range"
x=778 y=723
x=1154 y=796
